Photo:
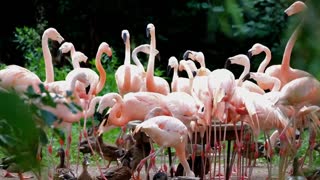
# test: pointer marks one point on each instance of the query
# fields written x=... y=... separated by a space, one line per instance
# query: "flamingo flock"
x=281 y=100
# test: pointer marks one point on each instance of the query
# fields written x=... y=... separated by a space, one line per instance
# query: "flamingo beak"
x=186 y=55
x=124 y=37
x=169 y=70
x=227 y=63
x=148 y=32
x=249 y=54
x=194 y=73
x=158 y=56
x=285 y=17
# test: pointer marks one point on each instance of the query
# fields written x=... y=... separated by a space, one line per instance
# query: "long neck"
x=127 y=69
x=92 y=106
x=135 y=58
x=190 y=75
x=150 y=68
x=75 y=61
x=245 y=71
x=285 y=65
x=47 y=59
x=175 y=77
x=102 y=72
x=276 y=84
x=266 y=60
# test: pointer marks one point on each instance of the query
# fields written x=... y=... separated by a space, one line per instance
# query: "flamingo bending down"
x=154 y=83
x=129 y=77
x=243 y=60
x=20 y=78
x=166 y=131
x=283 y=71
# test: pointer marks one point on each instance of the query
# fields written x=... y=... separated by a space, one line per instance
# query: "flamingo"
x=59 y=87
x=76 y=56
x=243 y=60
x=129 y=78
x=283 y=71
x=166 y=131
x=199 y=57
x=20 y=78
x=145 y=48
x=97 y=83
x=154 y=83
x=180 y=84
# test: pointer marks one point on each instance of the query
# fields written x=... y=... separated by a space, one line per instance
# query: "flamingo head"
x=187 y=54
x=172 y=62
x=240 y=59
x=80 y=57
x=295 y=8
x=53 y=34
x=150 y=31
x=257 y=48
x=66 y=47
x=125 y=36
x=104 y=47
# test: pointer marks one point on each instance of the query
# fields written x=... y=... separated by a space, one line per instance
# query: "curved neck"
x=245 y=71
x=276 y=84
x=287 y=52
x=47 y=59
x=266 y=60
x=135 y=57
x=92 y=105
x=102 y=72
x=190 y=75
x=75 y=61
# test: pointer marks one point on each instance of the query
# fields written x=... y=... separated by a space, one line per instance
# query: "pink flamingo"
x=199 y=57
x=243 y=60
x=145 y=48
x=76 y=56
x=154 y=83
x=60 y=87
x=20 y=78
x=284 y=72
x=129 y=78
x=180 y=84
x=166 y=131
x=96 y=82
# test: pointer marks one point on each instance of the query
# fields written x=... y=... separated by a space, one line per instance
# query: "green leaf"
x=48 y=117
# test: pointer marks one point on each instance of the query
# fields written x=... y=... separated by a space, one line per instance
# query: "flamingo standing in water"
x=20 y=78
x=154 y=83
x=129 y=78
x=166 y=131
x=283 y=71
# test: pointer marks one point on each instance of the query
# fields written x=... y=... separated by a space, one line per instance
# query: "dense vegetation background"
x=219 y=29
